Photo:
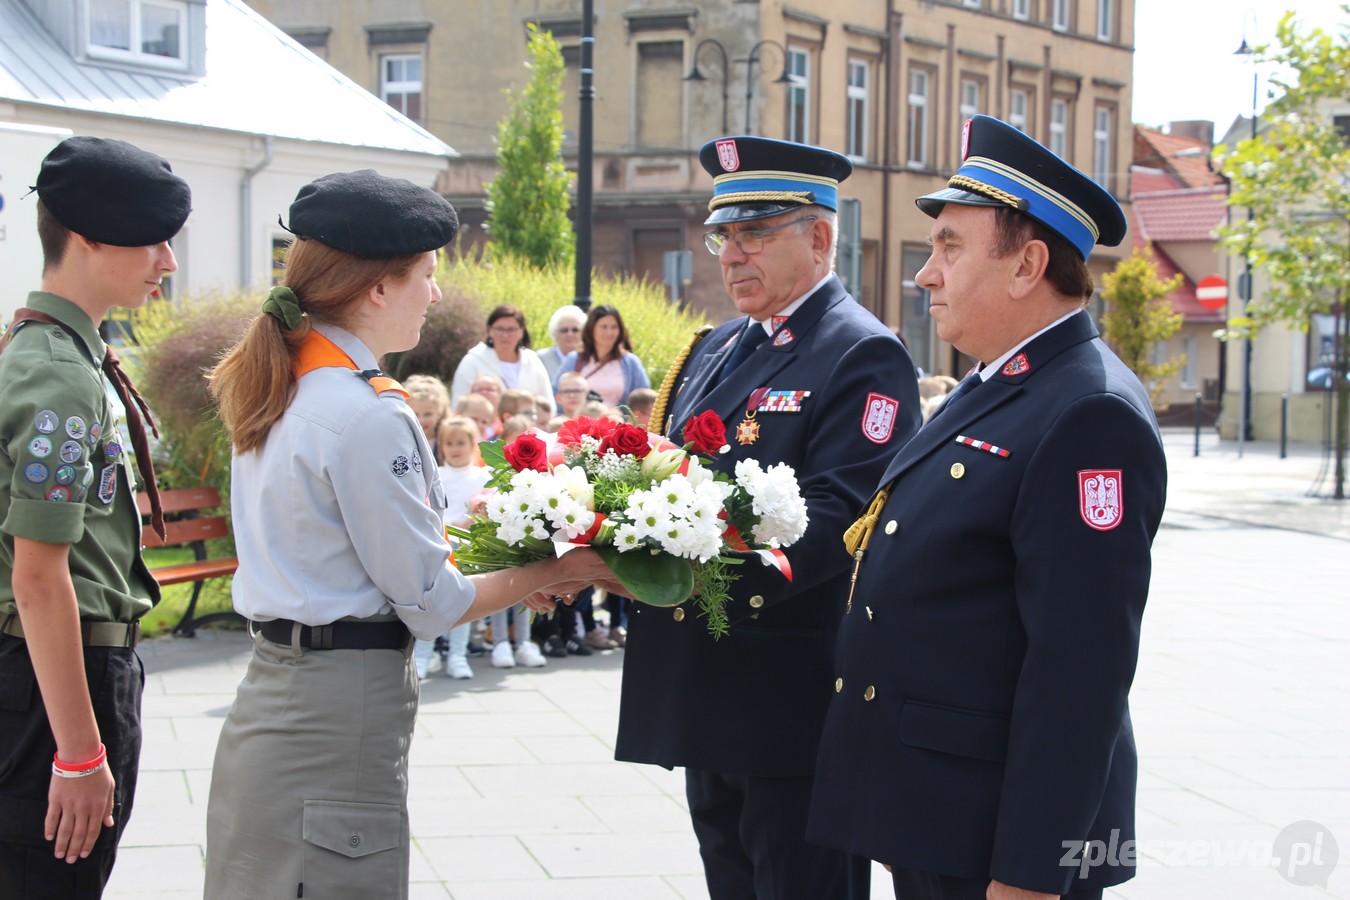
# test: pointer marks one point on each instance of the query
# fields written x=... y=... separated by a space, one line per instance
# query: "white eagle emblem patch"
x=878 y=422
x=727 y=155
x=1100 y=498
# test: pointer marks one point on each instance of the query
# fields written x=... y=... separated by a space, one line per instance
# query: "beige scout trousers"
x=310 y=784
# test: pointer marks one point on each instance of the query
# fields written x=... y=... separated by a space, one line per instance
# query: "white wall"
x=22 y=149
x=210 y=247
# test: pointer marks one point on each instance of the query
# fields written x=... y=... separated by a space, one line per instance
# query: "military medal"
x=747 y=432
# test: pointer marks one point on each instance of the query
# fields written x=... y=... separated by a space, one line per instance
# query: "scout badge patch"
x=1100 y=498
x=107 y=484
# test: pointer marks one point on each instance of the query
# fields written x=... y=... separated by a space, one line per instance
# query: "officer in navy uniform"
x=809 y=378
x=979 y=736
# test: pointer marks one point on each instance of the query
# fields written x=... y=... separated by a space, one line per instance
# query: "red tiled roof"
x=1144 y=180
x=1180 y=215
x=1184 y=157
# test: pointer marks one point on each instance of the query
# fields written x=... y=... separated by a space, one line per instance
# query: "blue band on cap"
x=744 y=187
x=1043 y=204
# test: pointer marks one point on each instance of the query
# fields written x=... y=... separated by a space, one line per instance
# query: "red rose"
x=706 y=432
x=583 y=426
x=527 y=452
x=627 y=440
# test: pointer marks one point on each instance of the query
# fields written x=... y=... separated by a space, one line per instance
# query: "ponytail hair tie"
x=282 y=303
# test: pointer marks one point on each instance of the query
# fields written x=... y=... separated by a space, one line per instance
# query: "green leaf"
x=655 y=579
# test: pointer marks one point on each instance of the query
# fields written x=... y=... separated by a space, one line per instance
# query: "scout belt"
x=93 y=634
x=341 y=635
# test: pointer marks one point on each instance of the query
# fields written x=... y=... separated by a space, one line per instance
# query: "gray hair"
x=563 y=314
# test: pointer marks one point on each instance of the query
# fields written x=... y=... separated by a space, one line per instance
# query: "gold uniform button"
x=870 y=693
x=891 y=526
x=756 y=601
x=679 y=614
x=838 y=684
x=958 y=470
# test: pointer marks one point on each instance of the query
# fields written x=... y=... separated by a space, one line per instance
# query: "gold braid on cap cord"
x=804 y=197
x=656 y=424
x=966 y=183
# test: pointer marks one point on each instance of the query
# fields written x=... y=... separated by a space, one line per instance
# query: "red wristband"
x=94 y=763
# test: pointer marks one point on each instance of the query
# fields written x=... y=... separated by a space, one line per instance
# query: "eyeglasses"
x=748 y=242
x=571 y=392
x=505 y=329
x=569 y=331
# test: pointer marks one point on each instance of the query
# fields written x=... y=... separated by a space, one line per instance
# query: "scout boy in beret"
x=979 y=733
x=72 y=582
x=805 y=377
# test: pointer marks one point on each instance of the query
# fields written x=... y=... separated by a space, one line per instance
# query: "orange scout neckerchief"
x=318 y=352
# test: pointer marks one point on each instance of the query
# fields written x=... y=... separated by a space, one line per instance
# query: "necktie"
x=753 y=335
x=968 y=384
x=135 y=406
x=131 y=400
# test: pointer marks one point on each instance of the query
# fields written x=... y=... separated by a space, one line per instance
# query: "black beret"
x=372 y=216
x=113 y=192
x=755 y=177
x=1001 y=166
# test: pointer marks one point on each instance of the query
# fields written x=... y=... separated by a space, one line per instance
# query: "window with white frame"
x=147 y=31
x=799 y=96
x=1018 y=104
x=970 y=98
x=1021 y=9
x=858 y=103
x=1059 y=127
x=1059 y=15
x=401 y=83
x=1101 y=146
x=1106 y=15
x=1190 y=369
x=919 y=96
x=974 y=4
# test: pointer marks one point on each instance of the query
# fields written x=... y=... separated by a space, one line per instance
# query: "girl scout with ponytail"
x=342 y=556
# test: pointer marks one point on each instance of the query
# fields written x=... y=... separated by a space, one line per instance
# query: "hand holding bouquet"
x=668 y=526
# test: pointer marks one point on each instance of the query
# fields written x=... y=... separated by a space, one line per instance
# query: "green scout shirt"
x=63 y=472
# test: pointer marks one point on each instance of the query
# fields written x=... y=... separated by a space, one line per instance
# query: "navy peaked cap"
x=372 y=216
x=755 y=177
x=1001 y=166
x=113 y=192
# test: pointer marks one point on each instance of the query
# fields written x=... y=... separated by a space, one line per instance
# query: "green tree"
x=1139 y=316
x=528 y=203
x=1294 y=177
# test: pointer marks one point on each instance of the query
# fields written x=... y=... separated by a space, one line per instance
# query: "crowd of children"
x=490 y=411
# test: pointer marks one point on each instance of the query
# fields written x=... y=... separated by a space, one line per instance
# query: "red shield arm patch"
x=1100 y=498
x=878 y=421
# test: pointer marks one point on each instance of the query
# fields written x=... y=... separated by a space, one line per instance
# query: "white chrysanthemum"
x=627 y=537
x=776 y=498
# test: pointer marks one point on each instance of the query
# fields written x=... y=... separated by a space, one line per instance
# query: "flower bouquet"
x=667 y=525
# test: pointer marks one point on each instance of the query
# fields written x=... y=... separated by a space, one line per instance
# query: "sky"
x=1184 y=67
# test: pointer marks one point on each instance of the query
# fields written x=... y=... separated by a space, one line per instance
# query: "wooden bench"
x=186 y=524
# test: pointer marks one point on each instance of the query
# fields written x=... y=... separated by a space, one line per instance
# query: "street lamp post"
x=696 y=75
x=753 y=57
x=1246 y=293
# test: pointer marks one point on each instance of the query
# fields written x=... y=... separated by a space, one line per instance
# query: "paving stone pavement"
x=1241 y=710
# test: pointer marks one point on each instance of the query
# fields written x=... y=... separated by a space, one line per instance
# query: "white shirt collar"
x=792 y=307
x=349 y=344
x=992 y=369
